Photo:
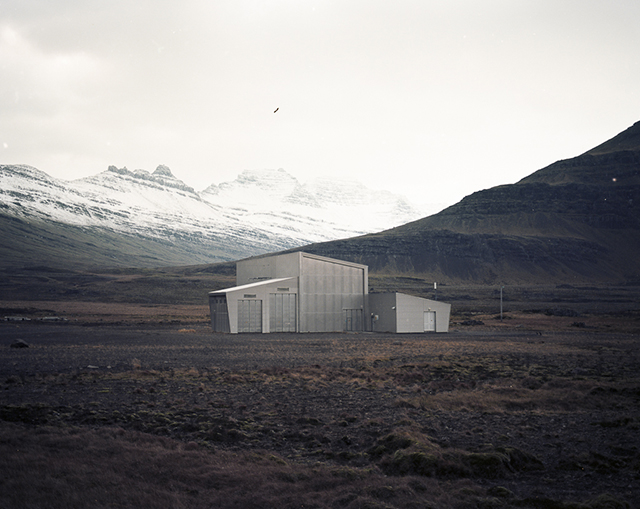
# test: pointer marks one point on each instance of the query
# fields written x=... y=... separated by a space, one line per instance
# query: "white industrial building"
x=301 y=292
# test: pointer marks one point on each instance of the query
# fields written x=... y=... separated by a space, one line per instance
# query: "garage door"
x=249 y=316
x=282 y=312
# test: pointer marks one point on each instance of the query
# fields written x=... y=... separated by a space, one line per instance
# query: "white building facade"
x=301 y=292
x=399 y=312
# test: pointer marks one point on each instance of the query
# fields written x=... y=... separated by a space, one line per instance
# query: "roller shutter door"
x=249 y=316
x=282 y=312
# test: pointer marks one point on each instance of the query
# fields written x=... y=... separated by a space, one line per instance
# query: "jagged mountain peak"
x=265 y=174
x=161 y=177
x=265 y=179
x=25 y=171
x=272 y=183
x=163 y=171
x=331 y=200
x=348 y=191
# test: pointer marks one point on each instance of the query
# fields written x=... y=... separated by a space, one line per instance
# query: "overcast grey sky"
x=432 y=99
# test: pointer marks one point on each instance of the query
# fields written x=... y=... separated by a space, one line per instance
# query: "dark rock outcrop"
x=577 y=219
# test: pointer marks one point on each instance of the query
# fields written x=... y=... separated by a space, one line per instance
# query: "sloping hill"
x=35 y=242
x=575 y=220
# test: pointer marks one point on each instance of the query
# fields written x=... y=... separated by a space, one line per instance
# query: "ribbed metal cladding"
x=249 y=315
x=219 y=313
x=353 y=319
x=327 y=290
x=282 y=312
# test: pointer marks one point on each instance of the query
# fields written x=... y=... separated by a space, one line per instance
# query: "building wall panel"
x=383 y=306
x=219 y=313
x=270 y=267
x=327 y=288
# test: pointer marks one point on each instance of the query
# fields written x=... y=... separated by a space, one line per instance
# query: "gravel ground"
x=335 y=397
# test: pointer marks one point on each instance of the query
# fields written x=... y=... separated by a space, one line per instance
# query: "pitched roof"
x=252 y=285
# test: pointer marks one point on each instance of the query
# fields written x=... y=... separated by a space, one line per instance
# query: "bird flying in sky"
x=276 y=109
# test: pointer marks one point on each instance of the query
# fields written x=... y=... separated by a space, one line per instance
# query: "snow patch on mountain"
x=260 y=211
x=347 y=204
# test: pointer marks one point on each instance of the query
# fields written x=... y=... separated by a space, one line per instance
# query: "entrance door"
x=249 y=316
x=429 y=321
x=353 y=319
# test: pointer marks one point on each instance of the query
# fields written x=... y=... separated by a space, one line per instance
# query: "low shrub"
x=433 y=461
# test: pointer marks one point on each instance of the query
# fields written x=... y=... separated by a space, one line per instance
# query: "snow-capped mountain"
x=260 y=211
x=343 y=208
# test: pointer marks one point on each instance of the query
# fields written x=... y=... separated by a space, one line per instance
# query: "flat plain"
x=122 y=405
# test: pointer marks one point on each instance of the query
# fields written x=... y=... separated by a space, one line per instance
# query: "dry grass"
x=91 y=312
x=513 y=396
x=492 y=419
x=111 y=467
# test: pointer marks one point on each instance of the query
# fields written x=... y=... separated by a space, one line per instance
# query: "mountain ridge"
x=163 y=221
x=574 y=220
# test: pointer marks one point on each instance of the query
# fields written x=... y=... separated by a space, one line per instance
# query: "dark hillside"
x=628 y=139
x=575 y=220
x=31 y=242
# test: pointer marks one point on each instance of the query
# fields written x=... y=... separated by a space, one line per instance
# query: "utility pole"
x=435 y=289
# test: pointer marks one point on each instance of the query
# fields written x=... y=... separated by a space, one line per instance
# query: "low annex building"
x=301 y=292
x=399 y=312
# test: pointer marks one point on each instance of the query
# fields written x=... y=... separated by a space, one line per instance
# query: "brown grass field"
x=140 y=405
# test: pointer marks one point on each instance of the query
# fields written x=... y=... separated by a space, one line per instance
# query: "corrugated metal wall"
x=282 y=312
x=249 y=315
x=326 y=291
x=219 y=313
x=353 y=320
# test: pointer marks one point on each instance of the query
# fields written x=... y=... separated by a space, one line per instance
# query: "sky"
x=432 y=99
